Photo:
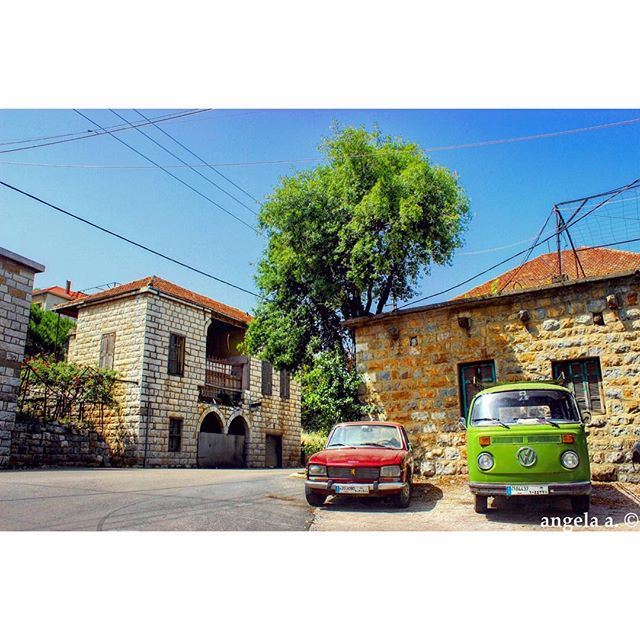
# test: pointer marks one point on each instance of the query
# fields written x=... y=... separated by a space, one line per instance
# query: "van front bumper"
x=555 y=488
x=328 y=486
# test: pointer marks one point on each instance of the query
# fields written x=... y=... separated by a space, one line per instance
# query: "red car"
x=362 y=459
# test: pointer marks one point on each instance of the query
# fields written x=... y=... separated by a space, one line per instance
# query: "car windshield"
x=366 y=435
x=525 y=406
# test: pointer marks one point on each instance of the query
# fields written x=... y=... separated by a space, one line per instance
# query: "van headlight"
x=317 y=470
x=391 y=471
x=485 y=461
x=570 y=459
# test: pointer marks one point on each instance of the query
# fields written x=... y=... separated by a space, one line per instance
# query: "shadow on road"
x=424 y=498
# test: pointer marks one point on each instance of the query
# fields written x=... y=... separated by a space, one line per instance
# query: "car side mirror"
x=462 y=422
x=586 y=417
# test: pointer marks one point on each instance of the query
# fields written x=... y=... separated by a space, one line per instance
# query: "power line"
x=93 y=134
x=197 y=157
x=180 y=180
x=318 y=158
x=125 y=239
x=173 y=155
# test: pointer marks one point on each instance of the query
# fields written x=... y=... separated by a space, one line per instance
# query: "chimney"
x=68 y=287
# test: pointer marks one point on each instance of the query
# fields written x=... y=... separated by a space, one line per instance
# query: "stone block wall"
x=125 y=317
x=16 y=285
x=410 y=364
x=34 y=444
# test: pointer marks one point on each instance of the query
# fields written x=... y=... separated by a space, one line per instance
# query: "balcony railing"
x=223 y=381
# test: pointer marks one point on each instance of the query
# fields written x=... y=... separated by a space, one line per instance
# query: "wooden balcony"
x=224 y=380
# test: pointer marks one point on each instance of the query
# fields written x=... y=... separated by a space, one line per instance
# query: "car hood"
x=360 y=456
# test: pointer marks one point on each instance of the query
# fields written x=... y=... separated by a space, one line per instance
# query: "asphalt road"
x=153 y=500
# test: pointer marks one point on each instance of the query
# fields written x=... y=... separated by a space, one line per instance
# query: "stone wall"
x=410 y=364
x=126 y=318
x=16 y=285
x=34 y=444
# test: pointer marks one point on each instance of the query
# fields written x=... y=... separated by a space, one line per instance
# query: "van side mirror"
x=462 y=422
x=586 y=417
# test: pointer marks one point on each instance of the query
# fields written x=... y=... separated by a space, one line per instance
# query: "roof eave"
x=483 y=300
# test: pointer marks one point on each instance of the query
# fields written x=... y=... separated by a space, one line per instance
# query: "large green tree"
x=348 y=237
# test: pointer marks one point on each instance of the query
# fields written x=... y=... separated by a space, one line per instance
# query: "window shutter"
x=285 y=383
x=107 y=351
x=176 y=355
x=267 y=378
x=593 y=386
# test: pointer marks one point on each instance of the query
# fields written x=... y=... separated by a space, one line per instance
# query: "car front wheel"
x=314 y=498
x=580 y=504
x=480 y=504
x=402 y=500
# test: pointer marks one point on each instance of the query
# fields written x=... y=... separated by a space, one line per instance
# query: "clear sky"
x=511 y=186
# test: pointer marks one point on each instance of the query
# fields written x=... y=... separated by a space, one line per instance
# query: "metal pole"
x=558 y=233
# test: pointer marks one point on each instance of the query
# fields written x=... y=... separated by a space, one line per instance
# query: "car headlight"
x=317 y=470
x=570 y=459
x=485 y=461
x=391 y=471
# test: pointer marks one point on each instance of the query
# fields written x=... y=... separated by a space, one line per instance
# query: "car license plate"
x=528 y=490
x=349 y=488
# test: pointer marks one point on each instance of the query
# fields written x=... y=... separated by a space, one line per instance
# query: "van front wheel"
x=580 y=504
x=480 y=504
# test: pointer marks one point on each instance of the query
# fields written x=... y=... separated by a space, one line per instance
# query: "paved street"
x=153 y=500
x=263 y=500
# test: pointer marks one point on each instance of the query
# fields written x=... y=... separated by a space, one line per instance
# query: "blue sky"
x=511 y=186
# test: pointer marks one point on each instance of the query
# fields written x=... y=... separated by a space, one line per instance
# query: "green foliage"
x=42 y=331
x=347 y=237
x=66 y=385
x=313 y=441
x=330 y=392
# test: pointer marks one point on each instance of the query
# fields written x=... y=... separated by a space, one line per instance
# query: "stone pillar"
x=16 y=285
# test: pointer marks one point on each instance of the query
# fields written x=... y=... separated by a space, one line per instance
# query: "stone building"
x=188 y=397
x=51 y=296
x=16 y=284
x=423 y=365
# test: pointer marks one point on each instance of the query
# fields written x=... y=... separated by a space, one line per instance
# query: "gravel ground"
x=447 y=505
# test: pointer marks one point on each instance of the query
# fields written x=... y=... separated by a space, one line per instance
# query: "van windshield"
x=525 y=406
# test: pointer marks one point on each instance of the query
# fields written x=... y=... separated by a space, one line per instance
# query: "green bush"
x=313 y=441
x=47 y=333
x=330 y=393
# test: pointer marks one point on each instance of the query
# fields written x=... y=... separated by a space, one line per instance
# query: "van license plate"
x=347 y=488
x=528 y=490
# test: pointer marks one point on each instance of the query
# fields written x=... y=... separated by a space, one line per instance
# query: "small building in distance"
x=51 y=296
x=188 y=396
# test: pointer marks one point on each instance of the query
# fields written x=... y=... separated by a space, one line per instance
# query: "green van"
x=527 y=439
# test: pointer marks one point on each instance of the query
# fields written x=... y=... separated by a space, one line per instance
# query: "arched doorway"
x=238 y=427
x=212 y=423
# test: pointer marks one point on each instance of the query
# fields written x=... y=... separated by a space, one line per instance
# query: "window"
x=472 y=378
x=107 y=351
x=267 y=378
x=584 y=378
x=285 y=384
x=175 y=434
x=176 y=355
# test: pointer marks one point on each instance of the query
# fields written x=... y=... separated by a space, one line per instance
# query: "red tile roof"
x=542 y=270
x=61 y=292
x=166 y=287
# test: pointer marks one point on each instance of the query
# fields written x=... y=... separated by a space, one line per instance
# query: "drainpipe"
x=146 y=434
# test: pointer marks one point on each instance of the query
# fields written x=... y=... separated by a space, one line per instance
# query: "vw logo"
x=527 y=457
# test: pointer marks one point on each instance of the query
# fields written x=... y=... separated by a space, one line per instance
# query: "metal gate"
x=220 y=450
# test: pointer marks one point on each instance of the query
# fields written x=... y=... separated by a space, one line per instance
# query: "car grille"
x=346 y=473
